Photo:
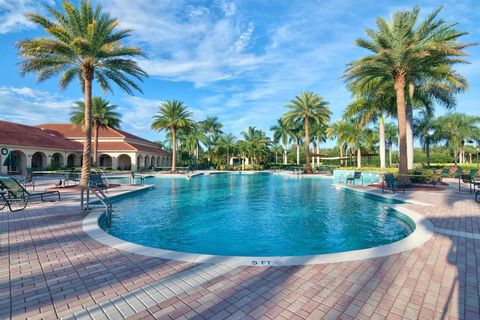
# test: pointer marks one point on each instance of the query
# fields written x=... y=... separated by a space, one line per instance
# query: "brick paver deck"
x=49 y=268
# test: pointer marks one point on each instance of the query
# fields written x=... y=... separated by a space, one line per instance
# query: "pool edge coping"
x=423 y=231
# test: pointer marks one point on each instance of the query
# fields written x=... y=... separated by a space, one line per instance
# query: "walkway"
x=49 y=268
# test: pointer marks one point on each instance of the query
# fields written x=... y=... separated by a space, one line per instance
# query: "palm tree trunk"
x=308 y=168
x=402 y=128
x=409 y=111
x=318 y=153
x=298 y=153
x=95 y=143
x=87 y=141
x=359 y=158
x=427 y=151
x=381 y=134
x=285 y=158
x=174 y=150
x=341 y=155
x=390 y=154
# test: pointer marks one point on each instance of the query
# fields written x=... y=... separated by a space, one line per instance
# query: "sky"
x=240 y=60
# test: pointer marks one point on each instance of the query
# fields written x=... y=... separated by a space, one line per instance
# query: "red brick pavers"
x=49 y=268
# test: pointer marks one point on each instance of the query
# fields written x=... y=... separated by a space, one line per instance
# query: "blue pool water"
x=255 y=215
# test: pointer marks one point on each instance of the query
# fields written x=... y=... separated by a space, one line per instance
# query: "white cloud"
x=31 y=106
x=12 y=13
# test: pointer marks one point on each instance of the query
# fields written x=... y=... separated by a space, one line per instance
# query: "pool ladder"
x=106 y=203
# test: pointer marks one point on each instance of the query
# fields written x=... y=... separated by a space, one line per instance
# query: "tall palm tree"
x=281 y=133
x=306 y=108
x=456 y=129
x=276 y=149
x=172 y=115
x=405 y=51
x=354 y=137
x=84 y=43
x=103 y=116
x=296 y=136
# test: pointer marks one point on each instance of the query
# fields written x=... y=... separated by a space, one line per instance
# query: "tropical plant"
x=212 y=129
x=276 y=149
x=282 y=133
x=405 y=51
x=353 y=135
x=172 y=115
x=305 y=109
x=319 y=135
x=103 y=116
x=456 y=129
x=84 y=43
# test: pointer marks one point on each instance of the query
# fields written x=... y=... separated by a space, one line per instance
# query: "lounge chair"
x=71 y=176
x=13 y=192
x=468 y=179
x=357 y=175
x=389 y=181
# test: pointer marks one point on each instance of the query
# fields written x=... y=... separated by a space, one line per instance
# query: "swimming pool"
x=255 y=215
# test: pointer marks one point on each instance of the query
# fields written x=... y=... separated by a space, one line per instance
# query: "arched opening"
x=57 y=160
x=105 y=160
x=17 y=163
x=71 y=160
x=140 y=163
x=159 y=161
x=39 y=160
x=147 y=162
x=153 y=164
x=124 y=162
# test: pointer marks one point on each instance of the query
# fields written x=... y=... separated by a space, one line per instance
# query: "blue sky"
x=239 y=60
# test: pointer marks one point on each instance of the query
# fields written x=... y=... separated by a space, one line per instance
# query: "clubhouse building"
x=60 y=145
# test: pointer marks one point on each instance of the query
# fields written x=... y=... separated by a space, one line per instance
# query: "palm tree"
x=456 y=129
x=84 y=43
x=307 y=108
x=391 y=138
x=282 y=133
x=354 y=137
x=276 y=149
x=319 y=135
x=296 y=136
x=425 y=129
x=404 y=51
x=103 y=116
x=337 y=130
x=254 y=143
x=212 y=130
x=172 y=115
x=226 y=145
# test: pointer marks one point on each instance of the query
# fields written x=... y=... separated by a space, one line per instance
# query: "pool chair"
x=71 y=176
x=28 y=179
x=97 y=182
x=357 y=175
x=16 y=197
x=390 y=182
x=469 y=179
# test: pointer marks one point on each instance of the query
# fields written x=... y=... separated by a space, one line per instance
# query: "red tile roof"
x=54 y=136
x=22 y=135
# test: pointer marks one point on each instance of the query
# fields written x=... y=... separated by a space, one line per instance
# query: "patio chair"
x=357 y=175
x=468 y=179
x=445 y=173
x=96 y=182
x=16 y=197
x=389 y=181
x=71 y=176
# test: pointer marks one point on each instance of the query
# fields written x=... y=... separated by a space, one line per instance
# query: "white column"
x=114 y=163
x=133 y=161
